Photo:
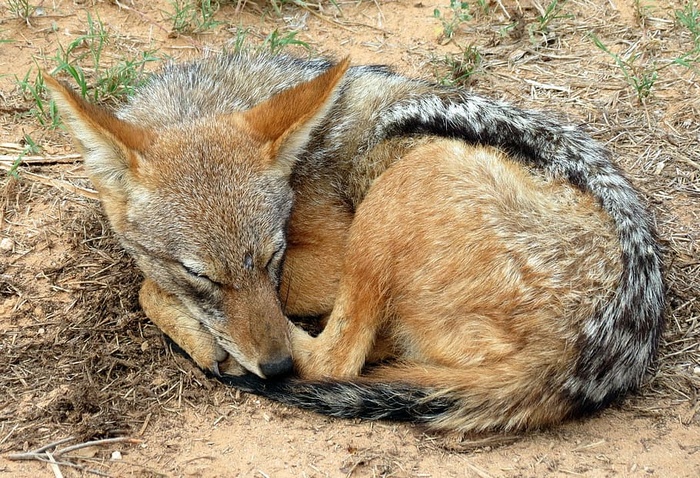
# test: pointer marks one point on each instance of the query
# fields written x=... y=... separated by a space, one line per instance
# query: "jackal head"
x=203 y=205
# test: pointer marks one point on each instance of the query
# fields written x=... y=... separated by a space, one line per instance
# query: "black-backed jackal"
x=480 y=266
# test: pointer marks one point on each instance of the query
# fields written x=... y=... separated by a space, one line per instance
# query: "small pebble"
x=7 y=244
x=116 y=455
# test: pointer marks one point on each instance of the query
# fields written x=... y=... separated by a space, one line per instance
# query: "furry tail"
x=620 y=341
x=360 y=399
x=486 y=397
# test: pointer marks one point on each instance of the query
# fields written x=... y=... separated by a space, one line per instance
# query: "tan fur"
x=316 y=240
x=167 y=311
x=475 y=274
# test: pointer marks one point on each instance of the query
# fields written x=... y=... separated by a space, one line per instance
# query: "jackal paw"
x=205 y=352
x=302 y=350
x=315 y=359
x=170 y=315
x=230 y=366
x=212 y=358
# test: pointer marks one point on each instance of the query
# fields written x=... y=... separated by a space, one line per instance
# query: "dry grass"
x=80 y=359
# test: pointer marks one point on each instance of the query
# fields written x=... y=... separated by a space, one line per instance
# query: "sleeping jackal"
x=465 y=287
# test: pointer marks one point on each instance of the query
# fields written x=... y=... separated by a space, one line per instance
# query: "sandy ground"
x=78 y=358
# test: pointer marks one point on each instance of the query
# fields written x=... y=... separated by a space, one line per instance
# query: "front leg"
x=347 y=341
x=172 y=318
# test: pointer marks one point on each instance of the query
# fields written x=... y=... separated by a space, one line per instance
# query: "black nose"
x=279 y=367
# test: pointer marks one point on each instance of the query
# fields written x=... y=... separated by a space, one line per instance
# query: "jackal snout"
x=272 y=350
x=269 y=356
x=256 y=332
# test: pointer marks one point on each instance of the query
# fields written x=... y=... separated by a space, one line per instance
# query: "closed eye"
x=198 y=275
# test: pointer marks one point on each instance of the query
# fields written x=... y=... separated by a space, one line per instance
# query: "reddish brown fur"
x=317 y=237
x=277 y=123
x=293 y=107
x=129 y=138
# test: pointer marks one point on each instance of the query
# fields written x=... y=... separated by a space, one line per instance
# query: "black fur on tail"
x=365 y=400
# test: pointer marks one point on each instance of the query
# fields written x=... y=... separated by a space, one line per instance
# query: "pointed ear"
x=286 y=120
x=111 y=147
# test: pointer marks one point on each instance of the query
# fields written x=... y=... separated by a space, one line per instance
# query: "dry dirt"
x=78 y=359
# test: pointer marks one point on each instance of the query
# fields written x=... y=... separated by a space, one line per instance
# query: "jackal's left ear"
x=286 y=120
x=111 y=147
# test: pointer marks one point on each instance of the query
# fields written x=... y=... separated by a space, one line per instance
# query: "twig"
x=54 y=466
x=145 y=424
x=9 y=434
x=481 y=473
x=14 y=109
x=239 y=5
x=690 y=162
x=332 y=21
x=42 y=160
x=143 y=16
x=504 y=9
x=31 y=455
x=76 y=466
x=53 y=445
x=12 y=147
x=26 y=456
x=146 y=19
x=105 y=441
x=545 y=86
x=42 y=454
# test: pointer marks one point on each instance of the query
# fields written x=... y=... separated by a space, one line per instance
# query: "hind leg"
x=172 y=318
x=406 y=267
x=314 y=259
